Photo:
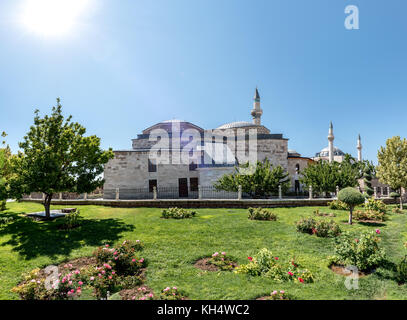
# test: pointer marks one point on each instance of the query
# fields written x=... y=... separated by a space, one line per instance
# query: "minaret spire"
x=256 y=111
x=331 y=138
x=359 y=147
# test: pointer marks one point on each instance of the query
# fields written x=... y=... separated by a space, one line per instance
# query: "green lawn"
x=171 y=247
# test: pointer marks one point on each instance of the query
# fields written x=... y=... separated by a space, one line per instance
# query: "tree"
x=5 y=155
x=263 y=180
x=392 y=168
x=352 y=198
x=367 y=178
x=324 y=176
x=57 y=157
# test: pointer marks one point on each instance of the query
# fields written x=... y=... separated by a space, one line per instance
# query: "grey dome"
x=237 y=124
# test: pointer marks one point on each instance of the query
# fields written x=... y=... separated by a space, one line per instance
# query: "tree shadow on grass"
x=32 y=238
x=372 y=223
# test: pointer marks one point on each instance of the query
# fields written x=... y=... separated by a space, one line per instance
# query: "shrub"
x=171 y=294
x=369 y=215
x=372 y=204
x=177 y=213
x=322 y=228
x=32 y=288
x=327 y=229
x=352 y=198
x=122 y=258
x=363 y=252
x=71 y=220
x=265 y=264
x=261 y=214
x=103 y=279
x=322 y=214
x=306 y=225
x=401 y=271
x=222 y=261
x=394 y=195
x=338 y=205
x=394 y=210
x=5 y=220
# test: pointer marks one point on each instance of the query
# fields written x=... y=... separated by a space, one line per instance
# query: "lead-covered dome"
x=325 y=152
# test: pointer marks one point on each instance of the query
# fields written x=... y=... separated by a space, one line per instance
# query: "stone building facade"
x=178 y=154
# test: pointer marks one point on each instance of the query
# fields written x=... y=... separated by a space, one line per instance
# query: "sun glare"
x=53 y=17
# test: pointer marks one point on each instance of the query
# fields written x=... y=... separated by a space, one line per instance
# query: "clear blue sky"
x=128 y=64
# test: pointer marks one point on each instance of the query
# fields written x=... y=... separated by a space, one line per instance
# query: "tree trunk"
x=350 y=215
x=401 y=202
x=47 y=205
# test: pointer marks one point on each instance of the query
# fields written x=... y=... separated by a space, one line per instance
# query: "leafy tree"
x=5 y=155
x=258 y=181
x=57 y=157
x=392 y=168
x=324 y=176
x=352 y=198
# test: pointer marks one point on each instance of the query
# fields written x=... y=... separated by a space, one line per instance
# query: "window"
x=151 y=185
x=152 y=166
x=193 y=184
x=192 y=166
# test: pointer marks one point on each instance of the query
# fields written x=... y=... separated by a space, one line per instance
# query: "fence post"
x=388 y=192
x=310 y=192
x=199 y=192
x=117 y=194
x=43 y=196
x=337 y=191
x=155 y=193
x=375 y=192
x=239 y=193
x=85 y=196
x=60 y=196
x=280 y=192
x=30 y=196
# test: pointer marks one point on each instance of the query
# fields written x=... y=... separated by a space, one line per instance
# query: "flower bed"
x=111 y=269
x=217 y=262
x=322 y=228
x=265 y=264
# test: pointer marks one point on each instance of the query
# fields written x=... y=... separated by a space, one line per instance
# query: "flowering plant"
x=171 y=294
x=222 y=261
x=262 y=214
x=363 y=252
x=279 y=295
x=122 y=258
x=267 y=265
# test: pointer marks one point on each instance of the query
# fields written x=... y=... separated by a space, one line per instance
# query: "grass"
x=171 y=247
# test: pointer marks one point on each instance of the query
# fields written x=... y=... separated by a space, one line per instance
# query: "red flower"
x=357 y=240
x=314 y=231
x=301 y=280
x=276 y=258
x=250 y=258
x=290 y=273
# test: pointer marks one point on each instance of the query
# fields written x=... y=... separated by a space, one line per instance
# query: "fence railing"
x=200 y=192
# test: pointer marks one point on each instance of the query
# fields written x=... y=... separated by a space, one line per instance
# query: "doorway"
x=183 y=187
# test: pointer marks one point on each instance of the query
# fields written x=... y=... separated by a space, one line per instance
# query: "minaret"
x=256 y=112
x=331 y=138
x=359 y=147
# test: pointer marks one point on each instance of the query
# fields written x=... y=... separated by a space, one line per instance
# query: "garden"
x=149 y=253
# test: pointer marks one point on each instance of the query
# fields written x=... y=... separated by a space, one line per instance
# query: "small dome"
x=293 y=153
x=171 y=121
x=238 y=124
x=325 y=152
